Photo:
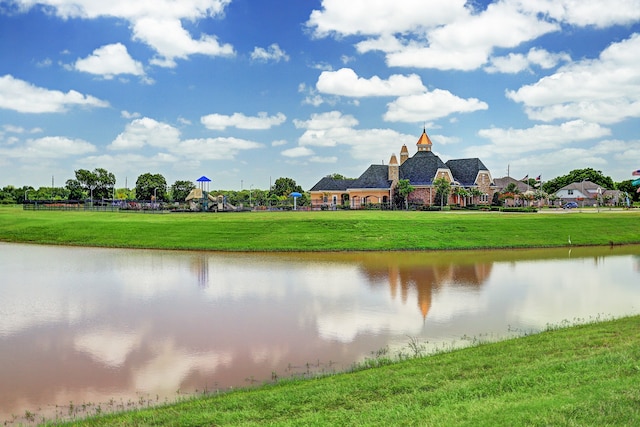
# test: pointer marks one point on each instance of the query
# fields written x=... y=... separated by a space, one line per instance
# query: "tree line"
x=99 y=184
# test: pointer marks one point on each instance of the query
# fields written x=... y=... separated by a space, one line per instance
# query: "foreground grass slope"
x=583 y=375
x=319 y=231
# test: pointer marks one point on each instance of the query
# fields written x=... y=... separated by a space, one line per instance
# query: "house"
x=378 y=183
x=587 y=193
x=523 y=189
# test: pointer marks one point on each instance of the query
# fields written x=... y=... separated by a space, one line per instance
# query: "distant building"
x=522 y=187
x=377 y=184
x=587 y=193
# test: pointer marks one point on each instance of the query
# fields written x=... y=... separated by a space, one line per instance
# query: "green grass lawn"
x=319 y=231
x=587 y=375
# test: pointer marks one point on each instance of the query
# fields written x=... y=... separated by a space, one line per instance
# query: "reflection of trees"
x=424 y=277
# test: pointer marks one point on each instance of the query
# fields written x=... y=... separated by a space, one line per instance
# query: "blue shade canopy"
x=203 y=179
x=295 y=194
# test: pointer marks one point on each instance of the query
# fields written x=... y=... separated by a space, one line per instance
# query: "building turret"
x=424 y=143
x=404 y=154
x=394 y=169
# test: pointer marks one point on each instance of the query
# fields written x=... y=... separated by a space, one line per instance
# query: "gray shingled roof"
x=421 y=169
x=330 y=184
x=465 y=171
x=502 y=183
x=376 y=176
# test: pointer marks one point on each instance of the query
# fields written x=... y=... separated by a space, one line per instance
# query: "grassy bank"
x=582 y=375
x=319 y=231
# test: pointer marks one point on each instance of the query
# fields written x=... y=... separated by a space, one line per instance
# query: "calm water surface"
x=113 y=326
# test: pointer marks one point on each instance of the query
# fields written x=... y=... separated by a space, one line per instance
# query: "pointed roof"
x=393 y=161
x=421 y=169
x=330 y=184
x=404 y=149
x=376 y=176
x=424 y=139
x=465 y=171
x=502 y=183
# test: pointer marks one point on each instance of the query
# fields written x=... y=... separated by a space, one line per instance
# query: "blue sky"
x=246 y=91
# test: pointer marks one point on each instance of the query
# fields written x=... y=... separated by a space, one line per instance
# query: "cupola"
x=424 y=143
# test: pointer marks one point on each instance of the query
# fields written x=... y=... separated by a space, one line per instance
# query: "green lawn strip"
x=582 y=375
x=318 y=231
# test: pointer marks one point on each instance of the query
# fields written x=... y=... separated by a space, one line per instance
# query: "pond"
x=84 y=330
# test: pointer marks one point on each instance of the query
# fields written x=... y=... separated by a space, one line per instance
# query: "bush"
x=524 y=210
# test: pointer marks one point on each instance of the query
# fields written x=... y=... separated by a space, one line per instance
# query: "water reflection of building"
x=425 y=279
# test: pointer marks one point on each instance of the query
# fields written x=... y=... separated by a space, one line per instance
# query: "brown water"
x=113 y=328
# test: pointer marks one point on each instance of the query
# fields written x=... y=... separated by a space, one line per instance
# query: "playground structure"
x=201 y=200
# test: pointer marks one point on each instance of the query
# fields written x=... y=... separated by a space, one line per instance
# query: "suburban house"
x=587 y=193
x=378 y=183
x=523 y=189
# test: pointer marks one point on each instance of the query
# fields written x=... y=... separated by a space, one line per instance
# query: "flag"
x=538 y=178
x=636 y=173
x=525 y=178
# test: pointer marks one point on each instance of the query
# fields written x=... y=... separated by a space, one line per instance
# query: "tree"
x=7 y=195
x=511 y=191
x=443 y=188
x=76 y=191
x=148 y=185
x=180 y=190
x=105 y=183
x=475 y=193
x=539 y=195
x=404 y=188
x=628 y=187
x=578 y=175
x=97 y=184
x=462 y=194
x=125 y=194
x=284 y=187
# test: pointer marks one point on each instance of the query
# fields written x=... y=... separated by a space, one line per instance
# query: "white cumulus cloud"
x=457 y=34
x=517 y=62
x=603 y=90
x=49 y=147
x=110 y=60
x=366 y=17
x=146 y=131
x=157 y=23
x=23 y=97
x=333 y=128
x=298 y=152
x=430 y=106
x=272 y=53
x=542 y=137
x=238 y=120
x=345 y=82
